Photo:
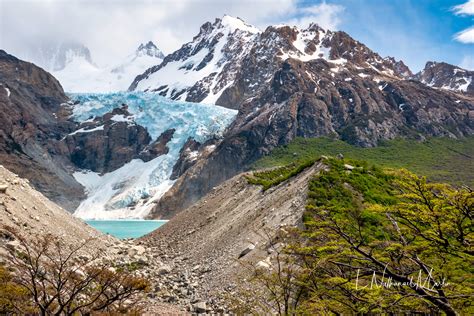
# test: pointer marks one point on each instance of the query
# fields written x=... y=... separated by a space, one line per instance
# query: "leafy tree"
x=383 y=241
x=379 y=241
x=57 y=279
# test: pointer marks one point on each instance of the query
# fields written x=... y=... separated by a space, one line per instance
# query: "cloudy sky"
x=412 y=30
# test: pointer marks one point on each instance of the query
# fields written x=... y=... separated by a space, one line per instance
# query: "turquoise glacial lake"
x=126 y=228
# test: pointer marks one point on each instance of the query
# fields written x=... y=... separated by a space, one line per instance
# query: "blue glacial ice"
x=130 y=191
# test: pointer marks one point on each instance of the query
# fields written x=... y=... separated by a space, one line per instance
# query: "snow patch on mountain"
x=308 y=37
x=6 y=90
x=130 y=191
x=463 y=83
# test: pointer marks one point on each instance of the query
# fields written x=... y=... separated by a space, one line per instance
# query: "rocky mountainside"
x=212 y=240
x=212 y=68
x=33 y=215
x=201 y=69
x=25 y=209
x=108 y=142
x=447 y=77
x=287 y=82
x=32 y=123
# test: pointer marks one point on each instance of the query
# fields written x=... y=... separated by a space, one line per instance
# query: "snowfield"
x=129 y=192
x=82 y=76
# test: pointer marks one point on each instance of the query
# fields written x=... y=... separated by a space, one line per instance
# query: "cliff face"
x=108 y=142
x=447 y=77
x=317 y=98
x=32 y=123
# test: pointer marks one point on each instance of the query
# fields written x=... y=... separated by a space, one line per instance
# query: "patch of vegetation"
x=130 y=266
x=12 y=294
x=440 y=159
x=275 y=176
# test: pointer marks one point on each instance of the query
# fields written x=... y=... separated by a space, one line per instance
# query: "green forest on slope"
x=374 y=241
x=440 y=159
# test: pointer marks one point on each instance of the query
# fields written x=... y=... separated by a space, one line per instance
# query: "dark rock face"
x=105 y=144
x=187 y=158
x=158 y=147
x=32 y=124
x=447 y=77
x=191 y=152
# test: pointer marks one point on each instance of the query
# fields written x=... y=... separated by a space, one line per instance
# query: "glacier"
x=130 y=191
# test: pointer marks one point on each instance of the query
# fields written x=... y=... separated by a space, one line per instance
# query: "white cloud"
x=113 y=29
x=326 y=15
x=465 y=8
x=466 y=36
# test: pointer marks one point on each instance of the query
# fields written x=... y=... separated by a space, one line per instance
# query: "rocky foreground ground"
x=33 y=215
x=210 y=246
x=193 y=261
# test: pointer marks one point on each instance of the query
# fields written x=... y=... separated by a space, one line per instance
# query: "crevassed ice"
x=129 y=192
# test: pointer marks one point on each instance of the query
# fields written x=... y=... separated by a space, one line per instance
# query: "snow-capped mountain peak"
x=57 y=56
x=201 y=69
x=447 y=77
x=77 y=73
x=233 y=24
x=149 y=49
x=214 y=66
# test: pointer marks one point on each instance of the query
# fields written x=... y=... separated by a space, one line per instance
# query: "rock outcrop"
x=447 y=77
x=112 y=140
x=32 y=124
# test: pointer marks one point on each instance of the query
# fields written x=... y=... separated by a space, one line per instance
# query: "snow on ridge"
x=463 y=87
x=237 y=23
x=122 y=118
x=84 y=130
x=206 y=65
x=303 y=38
x=129 y=191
